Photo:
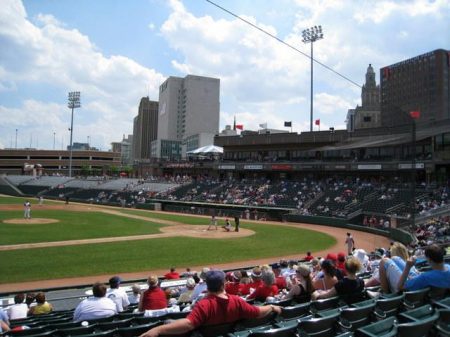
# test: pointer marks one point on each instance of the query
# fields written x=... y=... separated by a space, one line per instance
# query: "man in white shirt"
x=117 y=295
x=18 y=309
x=95 y=307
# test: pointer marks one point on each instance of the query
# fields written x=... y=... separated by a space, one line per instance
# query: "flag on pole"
x=288 y=124
x=317 y=122
x=414 y=114
x=240 y=126
x=263 y=126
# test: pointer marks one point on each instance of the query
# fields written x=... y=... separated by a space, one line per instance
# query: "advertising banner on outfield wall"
x=369 y=167
x=281 y=167
x=253 y=167
x=227 y=167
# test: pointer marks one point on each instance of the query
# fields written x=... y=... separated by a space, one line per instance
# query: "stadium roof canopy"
x=385 y=140
x=208 y=149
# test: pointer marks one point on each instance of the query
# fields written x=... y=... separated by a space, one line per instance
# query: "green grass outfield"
x=142 y=255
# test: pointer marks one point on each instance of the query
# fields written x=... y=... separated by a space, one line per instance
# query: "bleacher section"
x=417 y=313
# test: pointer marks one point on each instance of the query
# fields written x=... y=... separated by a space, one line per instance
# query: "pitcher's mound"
x=202 y=232
x=32 y=221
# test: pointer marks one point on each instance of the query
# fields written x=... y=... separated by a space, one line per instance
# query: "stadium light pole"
x=17 y=130
x=311 y=35
x=73 y=103
x=54 y=139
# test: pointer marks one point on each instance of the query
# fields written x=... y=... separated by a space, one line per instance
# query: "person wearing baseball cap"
x=117 y=294
x=217 y=307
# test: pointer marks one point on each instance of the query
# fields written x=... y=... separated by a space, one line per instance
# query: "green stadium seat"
x=419 y=328
x=81 y=330
x=318 y=327
x=294 y=312
x=278 y=332
x=416 y=314
x=324 y=304
x=136 y=330
x=106 y=326
x=353 y=318
x=443 y=324
x=110 y=333
x=414 y=299
x=255 y=322
x=383 y=328
x=387 y=307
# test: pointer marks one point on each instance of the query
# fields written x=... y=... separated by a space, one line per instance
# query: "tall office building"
x=145 y=128
x=188 y=107
x=368 y=114
x=421 y=83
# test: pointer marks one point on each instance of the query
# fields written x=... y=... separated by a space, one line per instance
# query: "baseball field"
x=76 y=243
x=73 y=241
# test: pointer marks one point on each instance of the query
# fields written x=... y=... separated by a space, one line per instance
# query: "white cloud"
x=327 y=104
x=51 y=54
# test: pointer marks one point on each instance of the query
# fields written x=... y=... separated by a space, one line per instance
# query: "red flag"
x=414 y=114
x=240 y=126
x=317 y=122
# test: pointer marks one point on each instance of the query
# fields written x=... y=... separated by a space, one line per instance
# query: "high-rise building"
x=421 y=83
x=145 y=128
x=368 y=114
x=188 y=106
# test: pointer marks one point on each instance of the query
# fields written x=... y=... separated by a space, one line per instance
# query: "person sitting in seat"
x=390 y=269
x=326 y=279
x=349 y=285
x=18 y=309
x=217 y=307
x=154 y=297
x=172 y=275
x=117 y=294
x=135 y=296
x=233 y=285
x=437 y=277
x=42 y=306
x=300 y=285
x=186 y=295
x=255 y=282
x=268 y=287
x=95 y=307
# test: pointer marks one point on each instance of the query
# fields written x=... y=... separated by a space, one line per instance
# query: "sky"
x=116 y=51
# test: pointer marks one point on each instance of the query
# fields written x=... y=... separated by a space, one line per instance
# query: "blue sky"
x=117 y=51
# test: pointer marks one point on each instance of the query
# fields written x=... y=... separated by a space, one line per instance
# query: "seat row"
x=294 y=321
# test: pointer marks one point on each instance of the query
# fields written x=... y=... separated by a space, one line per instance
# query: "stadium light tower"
x=73 y=103
x=311 y=35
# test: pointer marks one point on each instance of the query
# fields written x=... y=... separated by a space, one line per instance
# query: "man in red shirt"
x=216 y=308
x=308 y=257
x=173 y=275
x=154 y=297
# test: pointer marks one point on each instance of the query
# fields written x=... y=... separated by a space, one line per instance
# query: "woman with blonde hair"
x=349 y=285
x=300 y=284
x=392 y=268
